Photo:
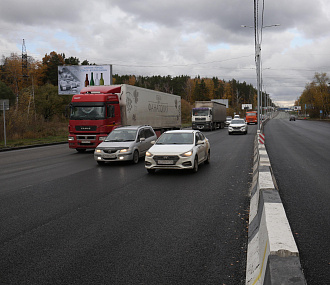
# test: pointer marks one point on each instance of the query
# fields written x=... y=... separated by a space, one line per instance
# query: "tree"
x=50 y=65
x=6 y=93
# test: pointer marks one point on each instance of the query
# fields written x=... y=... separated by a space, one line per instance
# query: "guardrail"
x=272 y=256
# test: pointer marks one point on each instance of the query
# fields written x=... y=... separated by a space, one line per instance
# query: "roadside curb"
x=272 y=256
x=30 y=146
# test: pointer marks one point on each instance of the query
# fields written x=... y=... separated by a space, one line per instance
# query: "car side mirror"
x=200 y=142
x=142 y=139
x=153 y=142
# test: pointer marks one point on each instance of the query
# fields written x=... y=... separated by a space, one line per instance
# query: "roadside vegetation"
x=38 y=114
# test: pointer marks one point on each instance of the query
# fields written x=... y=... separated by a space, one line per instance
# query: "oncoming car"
x=178 y=149
x=125 y=143
x=238 y=126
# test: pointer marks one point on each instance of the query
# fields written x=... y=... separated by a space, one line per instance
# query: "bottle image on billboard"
x=91 y=83
x=86 y=81
x=97 y=80
x=101 y=79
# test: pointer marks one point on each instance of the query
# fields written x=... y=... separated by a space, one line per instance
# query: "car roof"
x=131 y=127
x=182 y=131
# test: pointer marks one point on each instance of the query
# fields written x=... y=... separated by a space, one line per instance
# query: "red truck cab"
x=251 y=117
x=93 y=115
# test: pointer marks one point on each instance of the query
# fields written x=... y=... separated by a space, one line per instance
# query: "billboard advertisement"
x=72 y=78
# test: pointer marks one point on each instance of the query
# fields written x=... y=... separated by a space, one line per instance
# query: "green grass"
x=33 y=141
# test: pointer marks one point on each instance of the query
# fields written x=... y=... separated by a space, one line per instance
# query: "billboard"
x=72 y=78
x=246 y=106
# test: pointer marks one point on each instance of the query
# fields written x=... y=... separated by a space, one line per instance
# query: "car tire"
x=195 y=167
x=151 y=171
x=207 y=161
x=135 y=157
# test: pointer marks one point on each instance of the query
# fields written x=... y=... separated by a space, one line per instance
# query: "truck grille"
x=86 y=128
x=200 y=119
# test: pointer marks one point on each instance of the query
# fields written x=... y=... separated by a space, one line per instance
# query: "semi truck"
x=208 y=115
x=97 y=110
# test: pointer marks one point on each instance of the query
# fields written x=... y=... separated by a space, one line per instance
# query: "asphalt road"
x=299 y=152
x=66 y=220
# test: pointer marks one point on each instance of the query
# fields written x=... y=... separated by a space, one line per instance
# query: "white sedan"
x=178 y=149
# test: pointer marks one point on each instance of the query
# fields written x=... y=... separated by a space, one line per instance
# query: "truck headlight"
x=102 y=138
x=70 y=138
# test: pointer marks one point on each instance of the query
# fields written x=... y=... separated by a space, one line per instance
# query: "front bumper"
x=117 y=156
x=169 y=162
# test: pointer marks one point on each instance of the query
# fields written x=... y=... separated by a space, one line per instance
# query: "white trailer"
x=208 y=115
x=140 y=106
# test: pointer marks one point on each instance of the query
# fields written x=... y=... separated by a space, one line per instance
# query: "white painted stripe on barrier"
x=266 y=180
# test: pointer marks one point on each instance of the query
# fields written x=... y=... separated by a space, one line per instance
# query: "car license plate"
x=85 y=142
x=165 y=161
x=111 y=155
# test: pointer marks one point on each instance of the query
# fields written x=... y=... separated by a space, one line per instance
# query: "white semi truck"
x=208 y=115
x=97 y=110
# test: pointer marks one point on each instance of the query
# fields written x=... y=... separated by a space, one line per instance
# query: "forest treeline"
x=32 y=89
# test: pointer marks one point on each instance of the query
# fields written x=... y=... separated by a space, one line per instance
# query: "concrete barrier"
x=272 y=256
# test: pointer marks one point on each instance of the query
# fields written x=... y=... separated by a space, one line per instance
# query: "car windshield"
x=228 y=118
x=236 y=121
x=121 y=136
x=176 y=138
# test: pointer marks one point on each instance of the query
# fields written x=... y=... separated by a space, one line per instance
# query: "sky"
x=181 y=37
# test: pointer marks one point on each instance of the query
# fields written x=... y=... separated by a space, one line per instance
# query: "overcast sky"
x=181 y=37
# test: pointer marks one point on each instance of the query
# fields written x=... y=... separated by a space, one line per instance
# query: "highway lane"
x=299 y=152
x=66 y=220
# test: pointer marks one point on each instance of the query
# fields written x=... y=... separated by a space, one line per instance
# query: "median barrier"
x=272 y=256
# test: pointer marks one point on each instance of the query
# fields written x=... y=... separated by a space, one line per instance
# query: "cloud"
x=184 y=37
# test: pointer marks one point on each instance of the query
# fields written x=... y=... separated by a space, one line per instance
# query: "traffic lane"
x=300 y=162
x=27 y=167
x=135 y=228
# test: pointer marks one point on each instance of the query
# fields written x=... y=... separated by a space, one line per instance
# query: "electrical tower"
x=24 y=62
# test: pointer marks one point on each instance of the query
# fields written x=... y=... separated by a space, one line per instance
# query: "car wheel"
x=195 y=167
x=100 y=162
x=151 y=171
x=136 y=157
x=207 y=161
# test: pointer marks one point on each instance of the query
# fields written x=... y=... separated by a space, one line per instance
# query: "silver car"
x=125 y=143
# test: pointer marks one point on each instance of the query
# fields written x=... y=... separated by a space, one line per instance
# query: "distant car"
x=292 y=118
x=228 y=120
x=236 y=117
x=125 y=143
x=238 y=126
x=178 y=149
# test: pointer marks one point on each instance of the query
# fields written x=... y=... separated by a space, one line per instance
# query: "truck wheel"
x=136 y=157
x=195 y=167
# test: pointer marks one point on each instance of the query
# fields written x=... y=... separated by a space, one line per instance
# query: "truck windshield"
x=251 y=114
x=87 y=113
x=200 y=112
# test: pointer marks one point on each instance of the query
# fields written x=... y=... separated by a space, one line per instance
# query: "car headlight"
x=124 y=150
x=187 y=154
x=98 y=151
x=149 y=154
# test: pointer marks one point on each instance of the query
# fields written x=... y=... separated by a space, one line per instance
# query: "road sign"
x=4 y=104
